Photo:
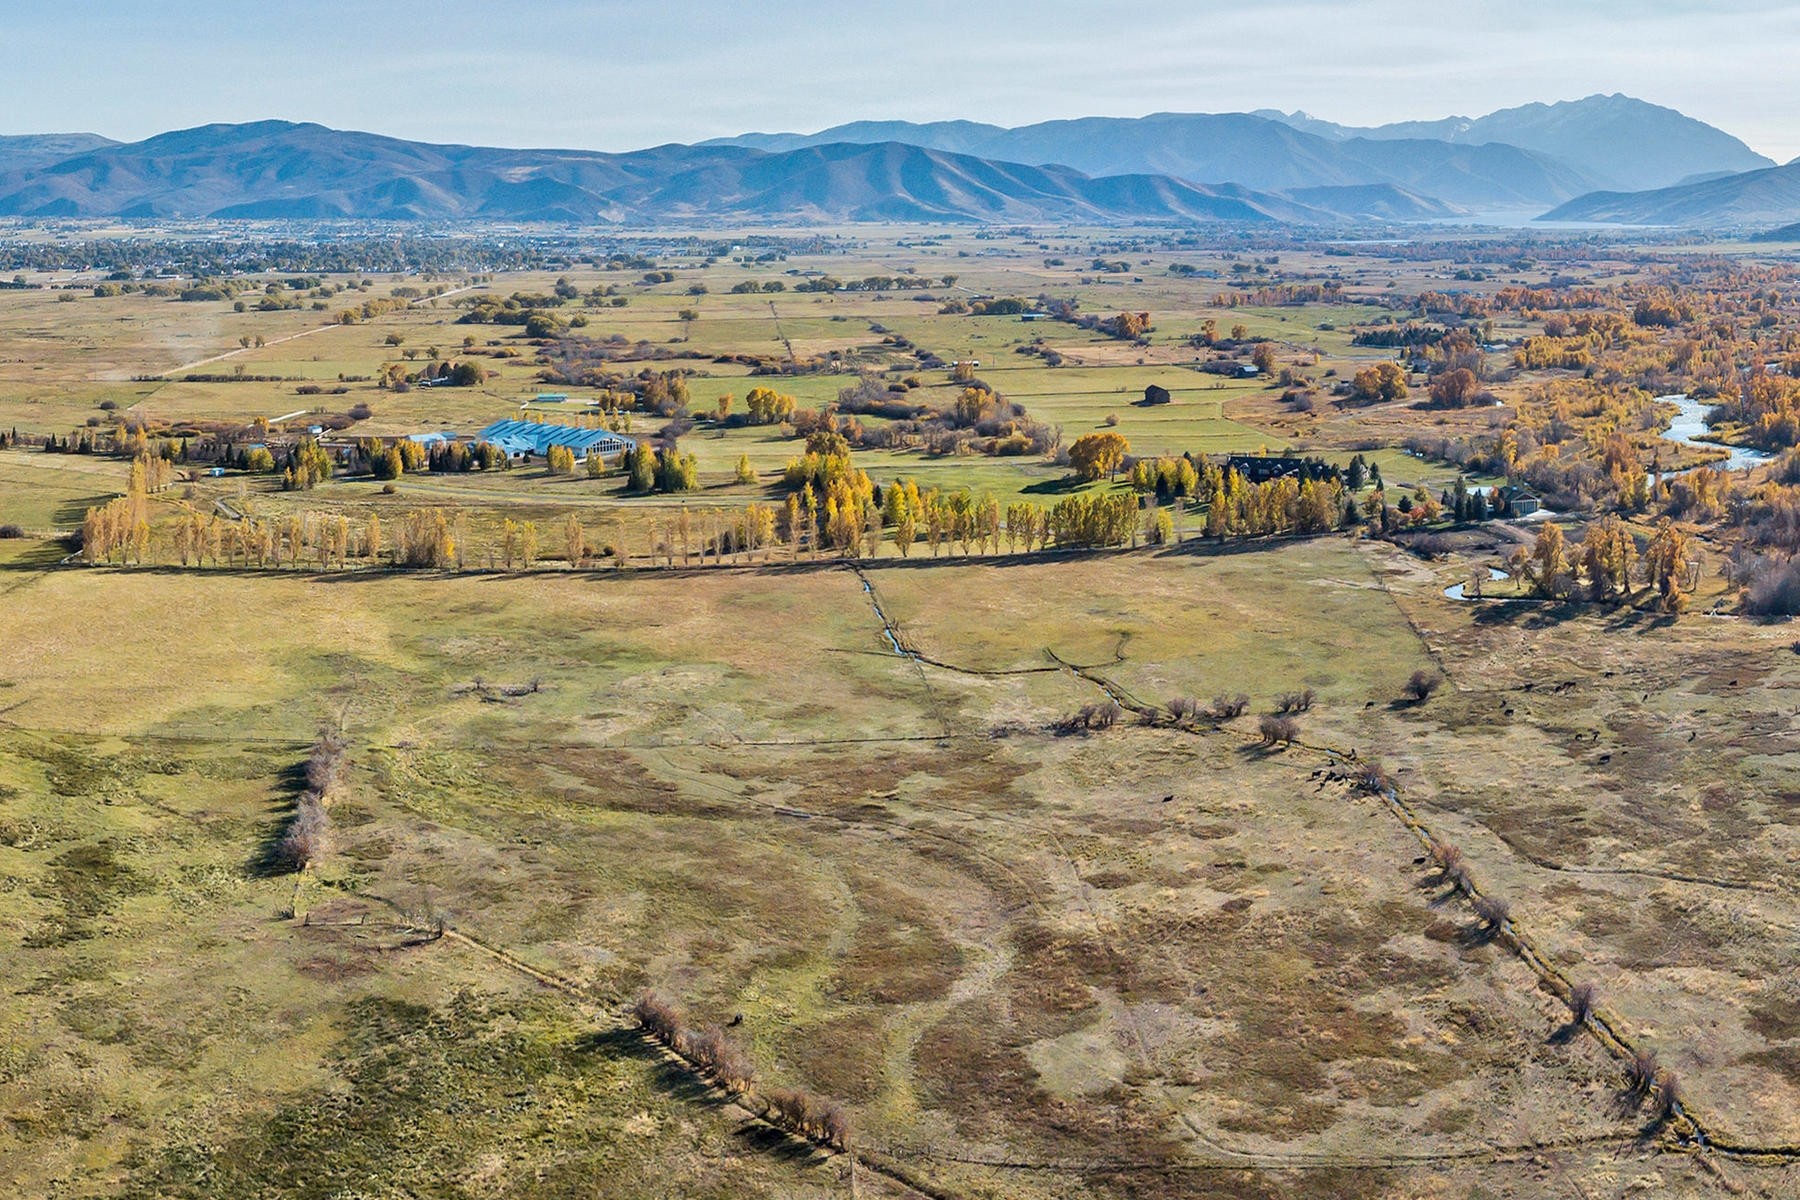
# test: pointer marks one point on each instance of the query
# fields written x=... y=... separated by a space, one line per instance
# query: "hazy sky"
x=611 y=75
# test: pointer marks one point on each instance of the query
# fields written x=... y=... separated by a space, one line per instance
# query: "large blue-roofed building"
x=534 y=439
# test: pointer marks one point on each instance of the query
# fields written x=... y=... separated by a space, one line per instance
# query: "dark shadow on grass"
x=1443 y=898
x=1054 y=487
x=669 y=1075
x=267 y=861
x=766 y=1139
x=1478 y=934
x=675 y=1080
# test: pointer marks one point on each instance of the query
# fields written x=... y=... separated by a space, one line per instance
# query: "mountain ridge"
x=1532 y=154
x=303 y=170
x=1766 y=197
x=1626 y=143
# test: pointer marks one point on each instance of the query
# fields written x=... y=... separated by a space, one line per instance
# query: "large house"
x=1518 y=501
x=1260 y=468
x=533 y=439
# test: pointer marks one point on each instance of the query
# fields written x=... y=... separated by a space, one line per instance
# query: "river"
x=1689 y=428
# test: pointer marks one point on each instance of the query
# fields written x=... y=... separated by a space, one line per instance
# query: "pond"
x=1455 y=591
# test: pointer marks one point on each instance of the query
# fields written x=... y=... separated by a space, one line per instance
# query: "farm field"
x=1158 y=862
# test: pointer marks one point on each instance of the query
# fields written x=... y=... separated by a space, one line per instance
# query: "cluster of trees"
x=1766 y=405
x=1169 y=478
x=1126 y=326
x=978 y=420
x=516 y=309
x=307 y=837
x=765 y=406
x=1277 y=295
x=711 y=1052
x=1378 y=382
x=1456 y=388
x=371 y=308
x=1093 y=519
x=395 y=377
x=1282 y=505
x=665 y=469
x=1093 y=455
x=1606 y=562
x=1555 y=353
x=465 y=456
x=307 y=463
x=119 y=530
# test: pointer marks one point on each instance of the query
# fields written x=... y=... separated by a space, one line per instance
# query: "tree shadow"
x=673 y=1078
x=1479 y=934
x=267 y=860
x=667 y=1072
x=1445 y=897
x=1054 y=487
x=767 y=1139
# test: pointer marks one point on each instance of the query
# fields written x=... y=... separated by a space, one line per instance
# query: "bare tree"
x=1492 y=911
x=1276 y=729
x=1582 y=998
x=1224 y=708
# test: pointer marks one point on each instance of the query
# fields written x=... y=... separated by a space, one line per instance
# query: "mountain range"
x=1620 y=142
x=1603 y=158
x=281 y=170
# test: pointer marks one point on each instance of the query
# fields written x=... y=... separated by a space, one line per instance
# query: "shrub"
x=1296 y=702
x=1641 y=1073
x=1582 y=998
x=9 y=530
x=818 y=1120
x=1183 y=709
x=1492 y=912
x=324 y=765
x=307 y=838
x=1667 y=1093
x=834 y=1126
x=1224 y=708
x=1374 y=779
x=658 y=1016
x=1275 y=729
x=1447 y=856
x=1774 y=588
x=1422 y=683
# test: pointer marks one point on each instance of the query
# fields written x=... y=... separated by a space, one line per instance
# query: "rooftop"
x=536 y=437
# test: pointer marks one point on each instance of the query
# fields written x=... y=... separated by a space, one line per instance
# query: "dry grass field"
x=1137 y=961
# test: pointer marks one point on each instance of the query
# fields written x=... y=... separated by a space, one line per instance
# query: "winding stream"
x=1689 y=428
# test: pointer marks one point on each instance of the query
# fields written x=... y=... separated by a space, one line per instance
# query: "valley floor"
x=1139 y=961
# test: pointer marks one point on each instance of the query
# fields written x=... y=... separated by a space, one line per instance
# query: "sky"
x=611 y=75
